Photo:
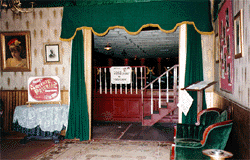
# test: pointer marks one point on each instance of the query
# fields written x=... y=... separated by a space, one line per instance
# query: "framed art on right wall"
x=226 y=43
x=238 y=34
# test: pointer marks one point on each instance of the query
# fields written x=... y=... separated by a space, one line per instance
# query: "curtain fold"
x=216 y=9
x=78 y=122
x=194 y=71
x=101 y=2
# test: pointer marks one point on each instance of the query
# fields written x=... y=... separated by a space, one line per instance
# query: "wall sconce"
x=107 y=47
x=15 y=6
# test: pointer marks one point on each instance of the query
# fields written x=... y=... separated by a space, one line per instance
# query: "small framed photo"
x=52 y=53
x=238 y=34
x=15 y=49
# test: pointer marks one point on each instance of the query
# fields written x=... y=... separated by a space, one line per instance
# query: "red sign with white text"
x=44 y=89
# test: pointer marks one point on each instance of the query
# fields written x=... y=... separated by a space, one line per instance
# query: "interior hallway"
x=133 y=131
x=12 y=149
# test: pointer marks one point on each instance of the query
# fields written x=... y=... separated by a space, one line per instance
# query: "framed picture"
x=226 y=33
x=238 y=34
x=52 y=53
x=42 y=89
x=15 y=49
x=217 y=48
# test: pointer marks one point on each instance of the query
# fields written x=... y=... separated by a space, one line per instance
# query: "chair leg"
x=172 y=152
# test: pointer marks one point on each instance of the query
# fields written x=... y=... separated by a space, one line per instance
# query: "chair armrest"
x=216 y=125
x=189 y=131
x=188 y=142
x=175 y=128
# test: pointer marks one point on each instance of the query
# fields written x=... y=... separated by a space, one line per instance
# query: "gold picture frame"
x=52 y=53
x=238 y=34
x=15 y=49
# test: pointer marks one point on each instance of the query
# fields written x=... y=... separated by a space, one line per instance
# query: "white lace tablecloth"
x=50 y=117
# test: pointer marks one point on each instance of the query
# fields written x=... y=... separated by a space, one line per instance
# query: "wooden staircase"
x=158 y=115
x=165 y=108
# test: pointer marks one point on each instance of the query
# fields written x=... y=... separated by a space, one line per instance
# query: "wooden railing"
x=103 y=84
x=165 y=83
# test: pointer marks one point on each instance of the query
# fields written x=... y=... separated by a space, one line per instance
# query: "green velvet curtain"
x=167 y=15
x=48 y=3
x=216 y=9
x=194 y=71
x=78 y=122
x=102 y=2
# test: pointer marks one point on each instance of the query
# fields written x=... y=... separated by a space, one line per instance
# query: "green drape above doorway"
x=133 y=17
x=78 y=122
x=194 y=71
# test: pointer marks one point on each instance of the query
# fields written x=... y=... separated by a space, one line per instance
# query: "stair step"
x=147 y=117
x=155 y=112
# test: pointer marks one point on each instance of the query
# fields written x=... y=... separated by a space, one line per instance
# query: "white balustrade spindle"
x=141 y=78
x=159 y=80
x=105 y=74
x=110 y=90
x=136 y=87
x=152 y=102
x=100 y=76
x=167 y=89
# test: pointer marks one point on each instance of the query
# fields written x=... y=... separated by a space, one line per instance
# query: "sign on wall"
x=44 y=89
x=121 y=75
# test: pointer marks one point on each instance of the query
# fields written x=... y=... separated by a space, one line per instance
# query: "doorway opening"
x=119 y=115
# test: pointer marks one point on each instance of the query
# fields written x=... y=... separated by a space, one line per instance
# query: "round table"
x=217 y=154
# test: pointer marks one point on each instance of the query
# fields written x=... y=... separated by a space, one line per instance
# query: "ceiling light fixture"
x=15 y=6
x=107 y=47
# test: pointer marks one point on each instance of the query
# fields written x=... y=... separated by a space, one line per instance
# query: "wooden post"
x=126 y=62
x=87 y=36
x=159 y=65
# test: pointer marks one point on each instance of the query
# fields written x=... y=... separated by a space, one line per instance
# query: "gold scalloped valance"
x=133 y=17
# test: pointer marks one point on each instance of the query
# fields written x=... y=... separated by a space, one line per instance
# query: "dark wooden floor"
x=158 y=132
x=133 y=131
x=12 y=149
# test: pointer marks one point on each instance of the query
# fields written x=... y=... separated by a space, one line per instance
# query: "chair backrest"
x=209 y=116
x=216 y=135
x=223 y=117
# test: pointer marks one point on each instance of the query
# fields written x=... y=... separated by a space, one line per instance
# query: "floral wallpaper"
x=44 y=25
